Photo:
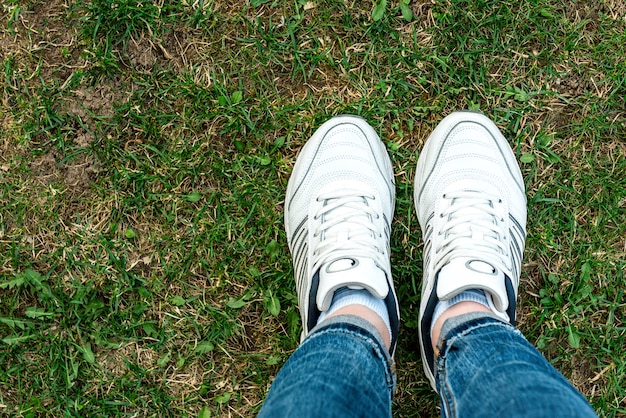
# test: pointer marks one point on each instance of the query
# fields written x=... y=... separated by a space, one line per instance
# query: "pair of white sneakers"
x=470 y=202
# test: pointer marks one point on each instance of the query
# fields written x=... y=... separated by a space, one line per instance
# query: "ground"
x=145 y=148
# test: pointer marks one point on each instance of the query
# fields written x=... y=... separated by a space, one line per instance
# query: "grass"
x=146 y=148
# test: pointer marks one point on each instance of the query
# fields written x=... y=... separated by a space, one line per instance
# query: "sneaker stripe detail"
x=515 y=250
x=428 y=241
x=520 y=229
x=299 y=238
x=427 y=255
x=387 y=228
x=518 y=237
x=429 y=228
x=300 y=253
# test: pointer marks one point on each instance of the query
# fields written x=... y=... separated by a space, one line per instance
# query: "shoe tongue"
x=468 y=273
x=352 y=272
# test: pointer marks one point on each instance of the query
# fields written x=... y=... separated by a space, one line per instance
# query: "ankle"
x=363 y=304
x=368 y=315
x=455 y=310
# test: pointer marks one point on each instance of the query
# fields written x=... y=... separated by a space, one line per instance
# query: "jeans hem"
x=464 y=321
x=364 y=330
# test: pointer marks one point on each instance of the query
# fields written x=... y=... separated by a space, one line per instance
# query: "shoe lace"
x=473 y=228
x=348 y=227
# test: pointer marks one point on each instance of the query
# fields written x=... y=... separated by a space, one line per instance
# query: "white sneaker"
x=471 y=205
x=338 y=211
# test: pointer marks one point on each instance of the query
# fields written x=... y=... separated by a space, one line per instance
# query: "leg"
x=471 y=205
x=342 y=369
x=338 y=211
x=486 y=368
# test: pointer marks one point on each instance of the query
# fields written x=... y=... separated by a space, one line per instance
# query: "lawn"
x=145 y=148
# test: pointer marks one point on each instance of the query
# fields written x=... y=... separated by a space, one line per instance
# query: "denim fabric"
x=486 y=368
x=342 y=369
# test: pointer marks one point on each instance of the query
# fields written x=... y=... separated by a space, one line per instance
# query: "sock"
x=471 y=295
x=346 y=296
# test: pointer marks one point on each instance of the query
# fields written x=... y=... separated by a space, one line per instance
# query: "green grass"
x=145 y=150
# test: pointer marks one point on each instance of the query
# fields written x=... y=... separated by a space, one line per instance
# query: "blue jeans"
x=485 y=367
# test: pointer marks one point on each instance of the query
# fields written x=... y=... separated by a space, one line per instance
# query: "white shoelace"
x=348 y=228
x=474 y=228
